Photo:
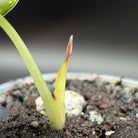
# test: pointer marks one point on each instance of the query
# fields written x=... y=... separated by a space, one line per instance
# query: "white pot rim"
x=129 y=83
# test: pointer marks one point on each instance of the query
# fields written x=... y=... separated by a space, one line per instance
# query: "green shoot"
x=54 y=104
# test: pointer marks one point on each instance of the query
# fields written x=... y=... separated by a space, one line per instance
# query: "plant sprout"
x=54 y=103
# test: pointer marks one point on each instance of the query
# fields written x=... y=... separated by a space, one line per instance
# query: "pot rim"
x=128 y=83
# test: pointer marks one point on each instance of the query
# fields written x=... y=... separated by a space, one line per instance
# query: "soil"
x=117 y=107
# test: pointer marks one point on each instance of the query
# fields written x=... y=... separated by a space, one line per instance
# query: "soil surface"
x=117 y=105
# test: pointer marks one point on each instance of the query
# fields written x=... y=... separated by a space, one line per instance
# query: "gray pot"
x=127 y=83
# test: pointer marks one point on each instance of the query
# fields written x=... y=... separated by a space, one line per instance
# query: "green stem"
x=31 y=65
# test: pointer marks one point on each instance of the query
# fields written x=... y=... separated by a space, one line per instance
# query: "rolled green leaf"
x=7 y=5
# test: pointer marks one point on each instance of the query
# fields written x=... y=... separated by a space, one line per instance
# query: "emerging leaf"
x=7 y=5
x=57 y=119
x=61 y=77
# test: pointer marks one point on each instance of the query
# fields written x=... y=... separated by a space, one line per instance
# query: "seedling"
x=54 y=103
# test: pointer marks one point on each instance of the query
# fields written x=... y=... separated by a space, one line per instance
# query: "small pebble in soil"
x=108 y=133
x=34 y=124
x=122 y=119
x=74 y=103
x=39 y=104
x=95 y=117
x=43 y=113
x=137 y=115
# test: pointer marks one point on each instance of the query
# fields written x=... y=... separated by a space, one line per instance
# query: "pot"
x=129 y=84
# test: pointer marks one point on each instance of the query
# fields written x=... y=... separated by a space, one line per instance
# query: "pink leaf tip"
x=69 y=48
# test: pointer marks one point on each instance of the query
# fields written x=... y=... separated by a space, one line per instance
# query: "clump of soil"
x=117 y=105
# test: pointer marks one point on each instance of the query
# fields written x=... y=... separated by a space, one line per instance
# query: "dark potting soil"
x=116 y=105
